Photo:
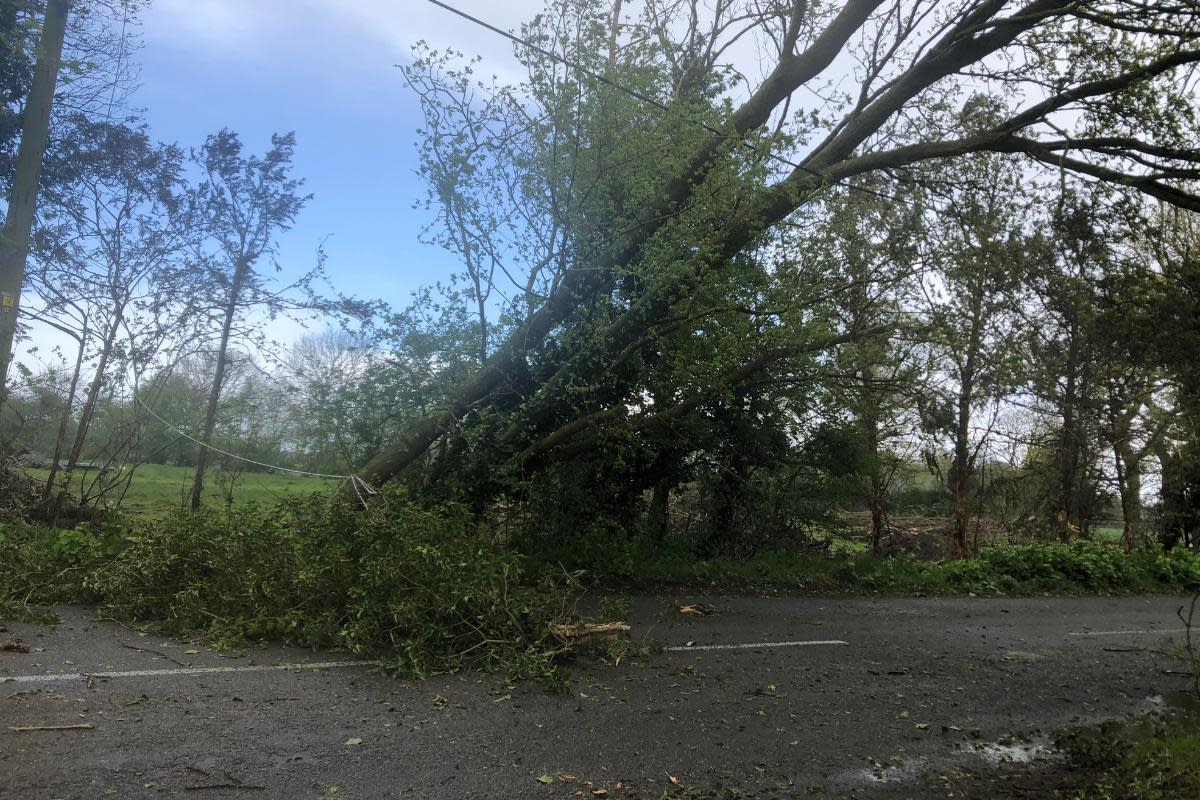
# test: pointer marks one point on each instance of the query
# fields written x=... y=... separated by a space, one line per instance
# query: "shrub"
x=47 y=565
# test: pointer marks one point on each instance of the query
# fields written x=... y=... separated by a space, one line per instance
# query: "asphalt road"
x=919 y=685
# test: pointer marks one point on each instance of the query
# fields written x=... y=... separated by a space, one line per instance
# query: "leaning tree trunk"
x=976 y=34
x=60 y=439
x=93 y=395
x=584 y=281
x=22 y=198
x=214 y=392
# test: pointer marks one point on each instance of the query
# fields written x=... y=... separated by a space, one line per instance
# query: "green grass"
x=156 y=489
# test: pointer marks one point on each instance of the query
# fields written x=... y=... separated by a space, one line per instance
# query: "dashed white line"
x=754 y=645
x=1129 y=633
x=154 y=673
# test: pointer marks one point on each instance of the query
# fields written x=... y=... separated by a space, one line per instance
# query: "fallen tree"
x=1092 y=88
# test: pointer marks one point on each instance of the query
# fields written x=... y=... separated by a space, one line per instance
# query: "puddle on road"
x=1007 y=751
x=1000 y=753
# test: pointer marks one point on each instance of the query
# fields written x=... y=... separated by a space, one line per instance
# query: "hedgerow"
x=1081 y=566
x=426 y=589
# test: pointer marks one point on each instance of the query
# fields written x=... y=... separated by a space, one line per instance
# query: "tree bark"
x=60 y=438
x=214 y=393
x=93 y=395
x=1068 y=448
x=962 y=430
x=1129 y=488
x=22 y=199
x=658 y=518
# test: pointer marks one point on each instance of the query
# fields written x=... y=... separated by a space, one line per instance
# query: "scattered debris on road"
x=82 y=726
x=699 y=609
x=572 y=634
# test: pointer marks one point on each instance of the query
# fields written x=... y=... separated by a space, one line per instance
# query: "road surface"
x=771 y=696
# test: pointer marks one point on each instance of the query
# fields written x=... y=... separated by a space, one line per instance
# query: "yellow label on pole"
x=8 y=302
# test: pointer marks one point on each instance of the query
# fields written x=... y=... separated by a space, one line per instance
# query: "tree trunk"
x=658 y=518
x=93 y=395
x=214 y=393
x=1068 y=446
x=1129 y=488
x=60 y=438
x=22 y=200
x=871 y=428
x=876 y=515
x=959 y=546
x=962 y=429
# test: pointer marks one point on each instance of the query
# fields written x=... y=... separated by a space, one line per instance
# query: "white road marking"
x=154 y=673
x=753 y=646
x=1129 y=633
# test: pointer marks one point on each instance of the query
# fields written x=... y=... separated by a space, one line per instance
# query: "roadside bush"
x=1008 y=569
x=49 y=565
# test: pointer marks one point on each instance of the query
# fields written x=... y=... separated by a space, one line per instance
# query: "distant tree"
x=870 y=243
x=1173 y=241
x=1132 y=417
x=110 y=239
x=246 y=202
x=1062 y=375
x=318 y=375
x=980 y=256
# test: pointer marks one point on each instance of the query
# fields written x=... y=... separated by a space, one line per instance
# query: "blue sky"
x=324 y=69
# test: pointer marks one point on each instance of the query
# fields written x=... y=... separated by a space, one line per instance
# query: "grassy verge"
x=157 y=489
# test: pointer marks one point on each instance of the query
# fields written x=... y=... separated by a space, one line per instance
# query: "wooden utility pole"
x=22 y=200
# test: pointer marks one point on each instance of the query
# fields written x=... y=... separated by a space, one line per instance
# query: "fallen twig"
x=153 y=652
x=82 y=726
x=568 y=634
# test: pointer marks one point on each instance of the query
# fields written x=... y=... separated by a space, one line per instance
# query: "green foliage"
x=422 y=589
x=1023 y=569
x=1158 y=759
x=46 y=565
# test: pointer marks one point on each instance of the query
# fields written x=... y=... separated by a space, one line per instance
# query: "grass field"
x=157 y=488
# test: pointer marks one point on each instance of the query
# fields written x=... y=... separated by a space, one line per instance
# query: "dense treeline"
x=691 y=307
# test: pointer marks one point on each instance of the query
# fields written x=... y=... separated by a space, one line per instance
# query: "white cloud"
x=222 y=25
x=383 y=29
